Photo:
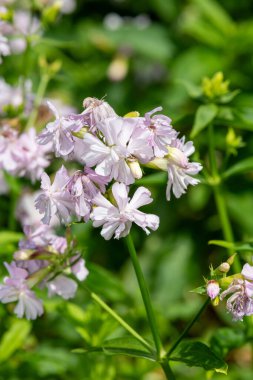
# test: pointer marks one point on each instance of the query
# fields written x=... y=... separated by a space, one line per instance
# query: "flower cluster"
x=238 y=287
x=44 y=260
x=114 y=151
x=21 y=155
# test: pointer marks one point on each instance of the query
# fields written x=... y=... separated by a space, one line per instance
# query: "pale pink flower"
x=160 y=131
x=78 y=268
x=95 y=111
x=60 y=133
x=56 y=199
x=118 y=219
x=8 y=147
x=15 y=288
x=212 y=289
x=62 y=286
x=83 y=186
x=180 y=169
x=123 y=142
x=240 y=302
x=31 y=157
x=26 y=212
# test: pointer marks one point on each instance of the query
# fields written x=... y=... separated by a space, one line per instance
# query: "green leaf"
x=229 y=96
x=7 y=237
x=192 y=90
x=216 y=15
x=120 y=346
x=197 y=354
x=199 y=290
x=247 y=246
x=14 y=339
x=126 y=346
x=204 y=116
x=240 y=167
x=225 y=339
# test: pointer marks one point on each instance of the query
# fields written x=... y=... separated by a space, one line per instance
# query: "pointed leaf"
x=240 y=167
x=205 y=115
x=247 y=246
x=120 y=346
x=199 y=290
x=14 y=338
x=197 y=354
x=192 y=89
x=127 y=346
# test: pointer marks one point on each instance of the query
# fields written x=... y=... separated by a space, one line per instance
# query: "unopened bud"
x=158 y=163
x=213 y=289
x=135 y=169
x=216 y=301
x=23 y=254
x=224 y=267
x=98 y=109
x=231 y=259
x=132 y=114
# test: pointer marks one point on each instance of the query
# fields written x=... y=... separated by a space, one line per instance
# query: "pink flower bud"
x=212 y=289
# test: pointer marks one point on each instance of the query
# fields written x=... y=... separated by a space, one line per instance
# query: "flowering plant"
x=101 y=168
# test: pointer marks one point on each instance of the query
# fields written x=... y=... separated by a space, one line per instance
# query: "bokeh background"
x=139 y=54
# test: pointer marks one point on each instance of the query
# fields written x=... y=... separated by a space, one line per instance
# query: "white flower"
x=60 y=133
x=118 y=219
x=123 y=142
x=15 y=288
x=63 y=286
x=55 y=200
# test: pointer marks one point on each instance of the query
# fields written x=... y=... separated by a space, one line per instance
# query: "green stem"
x=38 y=99
x=145 y=296
x=121 y=321
x=188 y=327
x=167 y=370
x=220 y=199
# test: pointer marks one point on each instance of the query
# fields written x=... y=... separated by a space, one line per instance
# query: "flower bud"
x=212 y=289
x=158 y=163
x=135 y=169
x=224 y=267
x=231 y=259
x=99 y=109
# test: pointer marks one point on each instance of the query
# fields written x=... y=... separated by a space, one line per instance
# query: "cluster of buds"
x=114 y=150
x=238 y=287
x=44 y=260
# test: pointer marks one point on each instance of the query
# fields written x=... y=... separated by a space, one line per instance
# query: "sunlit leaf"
x=14 y=339
x=197 y=354
x=204 y=116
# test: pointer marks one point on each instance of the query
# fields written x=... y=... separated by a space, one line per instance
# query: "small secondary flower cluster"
x=239 y=288
x=21 y=155
x=113 y=149
x=18 y=25
x=43 y=260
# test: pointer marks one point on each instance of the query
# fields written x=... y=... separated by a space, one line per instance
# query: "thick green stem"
x=121 y=321
x=38 y=99
x=145 y=296
x=167 y=370
x=188 y=327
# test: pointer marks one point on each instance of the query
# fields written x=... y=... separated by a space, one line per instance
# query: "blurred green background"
x=139 y=54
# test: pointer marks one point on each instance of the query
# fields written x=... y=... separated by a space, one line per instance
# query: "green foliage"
x=199 y=355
